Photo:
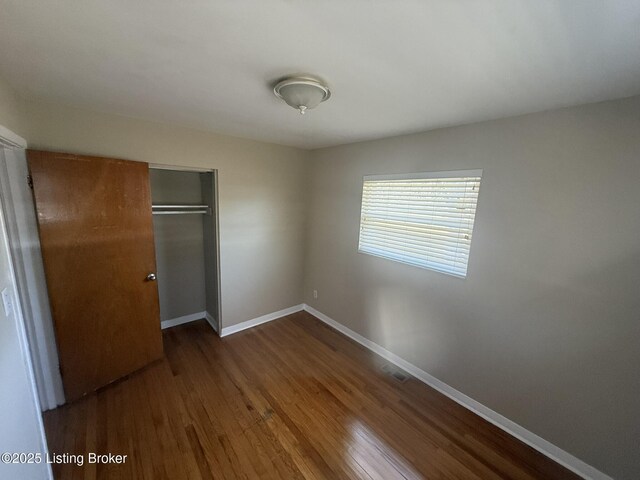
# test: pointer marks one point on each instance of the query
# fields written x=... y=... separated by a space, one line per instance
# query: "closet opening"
x=185 y=225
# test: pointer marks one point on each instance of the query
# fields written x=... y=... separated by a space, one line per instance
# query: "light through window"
x=422 y=219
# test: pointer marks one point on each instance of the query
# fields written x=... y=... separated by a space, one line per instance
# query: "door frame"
x=19 y=213
x=215 y=322
x=10 y=141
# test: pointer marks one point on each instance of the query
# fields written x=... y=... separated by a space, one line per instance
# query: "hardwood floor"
x=290 y=399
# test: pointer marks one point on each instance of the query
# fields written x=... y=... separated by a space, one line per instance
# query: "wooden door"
x=96 y=234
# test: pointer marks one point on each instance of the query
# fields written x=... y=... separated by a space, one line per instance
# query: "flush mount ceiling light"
x=302 y=93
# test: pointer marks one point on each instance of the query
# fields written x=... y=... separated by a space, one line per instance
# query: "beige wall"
x=11 y=110
x=545 y=329
x=262 y=195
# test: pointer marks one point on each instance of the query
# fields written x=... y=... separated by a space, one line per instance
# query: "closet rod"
x=179 y=212
x=180 y=209
x=180 y=206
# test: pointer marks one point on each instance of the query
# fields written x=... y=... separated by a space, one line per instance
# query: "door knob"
x=151 y=277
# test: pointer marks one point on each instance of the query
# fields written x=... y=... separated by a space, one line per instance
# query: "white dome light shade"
x=302 y=93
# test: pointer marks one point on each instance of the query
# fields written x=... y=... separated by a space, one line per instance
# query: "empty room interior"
x=320 y=240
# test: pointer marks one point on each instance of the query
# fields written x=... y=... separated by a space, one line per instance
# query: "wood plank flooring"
x=290 y=399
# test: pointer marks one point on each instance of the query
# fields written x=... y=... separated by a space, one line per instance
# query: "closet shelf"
x=180 y=209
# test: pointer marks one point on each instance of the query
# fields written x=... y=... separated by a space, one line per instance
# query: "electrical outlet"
x=7 y=301
x=315 y=294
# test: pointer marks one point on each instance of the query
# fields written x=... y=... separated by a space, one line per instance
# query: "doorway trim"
x=31 y=286
x=10 y=141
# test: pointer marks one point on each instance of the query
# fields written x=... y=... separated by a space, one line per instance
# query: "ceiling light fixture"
x=302 y=92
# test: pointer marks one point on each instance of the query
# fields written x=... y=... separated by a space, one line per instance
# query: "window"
x=422 y=219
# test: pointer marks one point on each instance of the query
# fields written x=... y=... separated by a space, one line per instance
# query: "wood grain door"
x=96 y=234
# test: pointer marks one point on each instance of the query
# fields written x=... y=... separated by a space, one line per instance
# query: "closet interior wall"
x=186 y=249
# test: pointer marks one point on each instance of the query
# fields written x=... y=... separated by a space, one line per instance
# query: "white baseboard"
x=260 y=320
x=184 y=319
x=212 y=321
x=540 y=444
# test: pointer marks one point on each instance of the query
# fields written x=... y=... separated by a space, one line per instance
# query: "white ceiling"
x=394 y=66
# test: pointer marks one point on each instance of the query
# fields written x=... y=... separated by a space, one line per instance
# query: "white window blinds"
x=422 y=219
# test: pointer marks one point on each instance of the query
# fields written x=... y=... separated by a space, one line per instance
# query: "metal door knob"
x=151 y=277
